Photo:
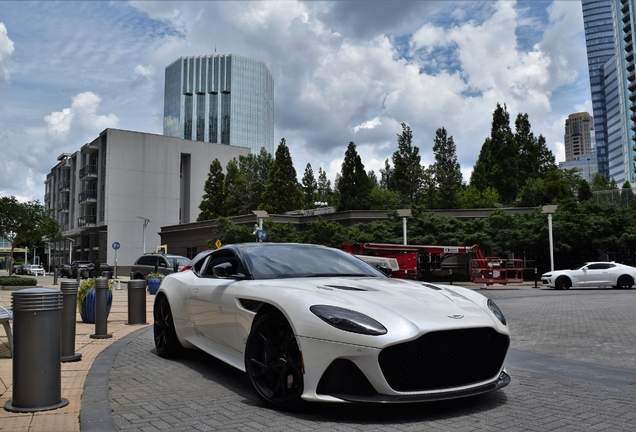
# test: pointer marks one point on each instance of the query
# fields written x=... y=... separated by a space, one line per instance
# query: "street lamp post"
x=404 y=213
x=549 y=209
x=146 y=221
x=260 y=214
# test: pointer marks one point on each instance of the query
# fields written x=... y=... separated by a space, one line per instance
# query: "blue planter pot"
x=153 y=285
x=88 y=306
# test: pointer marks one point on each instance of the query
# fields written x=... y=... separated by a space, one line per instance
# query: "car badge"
x=456 y=316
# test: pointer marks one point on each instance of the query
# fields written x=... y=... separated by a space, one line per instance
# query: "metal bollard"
x=37 y=371
x=136 y=302
x=69 y=321
x=101 y=315
x=55 y=276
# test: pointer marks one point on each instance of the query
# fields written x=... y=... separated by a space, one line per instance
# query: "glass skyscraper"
x=220 y=98
x=599 y=37
x=624 y=167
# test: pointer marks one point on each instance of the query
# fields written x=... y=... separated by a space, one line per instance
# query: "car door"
x=596 y=274
x=212 y=302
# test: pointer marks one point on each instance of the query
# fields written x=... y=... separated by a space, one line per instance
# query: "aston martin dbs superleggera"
x=312 y=323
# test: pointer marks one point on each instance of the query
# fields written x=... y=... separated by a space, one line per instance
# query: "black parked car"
x=64 y=270
x=82 y=267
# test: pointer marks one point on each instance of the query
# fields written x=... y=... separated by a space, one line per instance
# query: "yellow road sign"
x=218 y=243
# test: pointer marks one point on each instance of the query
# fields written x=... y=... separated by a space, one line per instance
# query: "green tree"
x=283 y=193
x=324 y=193
x=584 y=192
x=406 y=178
x=498 y=161
x=599 y=183
x=383 y=199
x=25 y=222
x=234 y=199
x=228 y=232
x=213 y=199
x=310 y=187
x=448 y=174
x=627 y=195
x=353 y=184
x=535 y=159
x=471 y=197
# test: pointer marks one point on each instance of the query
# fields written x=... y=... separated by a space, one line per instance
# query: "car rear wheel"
x=624 y=282
x=166 y=340
x=563 y=283
x=273 y=362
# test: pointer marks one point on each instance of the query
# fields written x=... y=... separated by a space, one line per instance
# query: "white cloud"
x=371 y=124
x=6 y=50
x=144 y=71
x=82 y=115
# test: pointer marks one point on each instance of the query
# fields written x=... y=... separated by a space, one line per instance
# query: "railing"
x=87 y=195
x=88 y=170
x=83 y=221
x=63 y=206
x=64 y=185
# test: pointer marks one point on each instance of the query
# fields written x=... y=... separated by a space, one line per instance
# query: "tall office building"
x=623 y=167
x=579 y=135
x=220 y=98
x=599 y=36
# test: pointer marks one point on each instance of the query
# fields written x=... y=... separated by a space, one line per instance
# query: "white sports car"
x=311 y=323
x=592 y=274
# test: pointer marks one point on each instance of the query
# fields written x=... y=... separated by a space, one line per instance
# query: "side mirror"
x=226 y=270
x=384 y=269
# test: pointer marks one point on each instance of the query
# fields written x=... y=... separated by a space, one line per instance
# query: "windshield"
x=181 y=261
x=272 y=261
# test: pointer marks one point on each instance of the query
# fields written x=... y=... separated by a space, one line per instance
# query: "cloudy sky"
x=343 y=71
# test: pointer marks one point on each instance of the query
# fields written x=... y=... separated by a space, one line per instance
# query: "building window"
x=191 y=252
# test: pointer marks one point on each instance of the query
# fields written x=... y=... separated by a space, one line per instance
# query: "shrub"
x=17 y=281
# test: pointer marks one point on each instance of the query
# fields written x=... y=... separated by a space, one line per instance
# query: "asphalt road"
x=572 y=362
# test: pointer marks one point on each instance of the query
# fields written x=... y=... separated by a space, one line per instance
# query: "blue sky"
x=343 y=71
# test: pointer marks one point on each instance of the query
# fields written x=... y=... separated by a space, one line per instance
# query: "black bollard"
x=136 y=302
x=37 y=371
x=69 y=321
x=101 y=315
x=450 y=273
x=535 y=277
x=55 y=276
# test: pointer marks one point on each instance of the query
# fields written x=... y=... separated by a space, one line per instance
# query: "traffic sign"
x=116 y=245
x=261 y=235
x=217 y=243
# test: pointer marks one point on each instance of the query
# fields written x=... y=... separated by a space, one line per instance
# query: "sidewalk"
x=73 y=373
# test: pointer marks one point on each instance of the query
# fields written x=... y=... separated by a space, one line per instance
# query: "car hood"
x=402 y=306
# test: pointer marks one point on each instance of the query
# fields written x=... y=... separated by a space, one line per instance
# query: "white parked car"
x=312 y=323
x=592 y=274
x=37 y=270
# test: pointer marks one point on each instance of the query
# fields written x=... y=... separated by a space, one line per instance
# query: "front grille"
x=444 y=359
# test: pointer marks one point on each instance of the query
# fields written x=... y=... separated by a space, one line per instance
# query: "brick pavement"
x=573 y=368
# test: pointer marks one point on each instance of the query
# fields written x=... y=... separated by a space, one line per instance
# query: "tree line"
x=514 y=168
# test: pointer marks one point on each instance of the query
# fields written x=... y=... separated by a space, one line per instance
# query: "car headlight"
x=348 y=320
x=496 y=311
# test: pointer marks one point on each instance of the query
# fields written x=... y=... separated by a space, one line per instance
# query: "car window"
x=180 y=260
x=220 y=258
x=598 y=266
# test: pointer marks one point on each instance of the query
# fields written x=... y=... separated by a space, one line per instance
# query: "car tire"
x=562 y=283
x=272 y=358
x=624 y=282
x=166 y=340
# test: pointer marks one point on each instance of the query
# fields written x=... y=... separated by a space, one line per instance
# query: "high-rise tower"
x=599 y=36
x=220 y=98
x=579 y=135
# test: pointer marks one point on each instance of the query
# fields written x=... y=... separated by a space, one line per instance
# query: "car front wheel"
x=624 y=282
x=563 y=283
x=273 y=362
x=166 y=340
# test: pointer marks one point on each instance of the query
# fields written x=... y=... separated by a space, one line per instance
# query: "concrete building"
x=579 y=135
x=586 y=165
x=220 y=98
x=103 y=193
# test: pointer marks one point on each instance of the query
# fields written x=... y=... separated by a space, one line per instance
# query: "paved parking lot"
x=572 y=362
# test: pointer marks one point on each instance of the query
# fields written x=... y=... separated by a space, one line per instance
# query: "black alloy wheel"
x=165 y=336
x=624 y=282
x=273 y=362
x=563 y=283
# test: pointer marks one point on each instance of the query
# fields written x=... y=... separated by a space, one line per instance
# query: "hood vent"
x=432 y=286
x=346 y=288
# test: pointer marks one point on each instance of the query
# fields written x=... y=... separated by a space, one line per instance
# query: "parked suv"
x=83 y=267
x=145 y=264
